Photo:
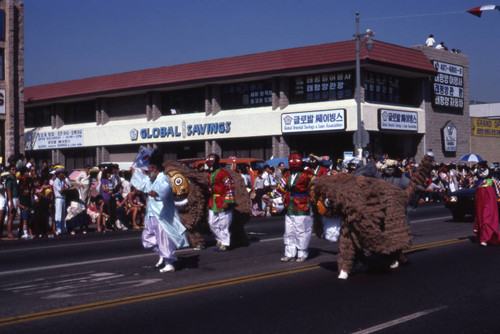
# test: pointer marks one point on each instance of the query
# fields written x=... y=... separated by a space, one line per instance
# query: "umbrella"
x=277 y=161
x=471 y=158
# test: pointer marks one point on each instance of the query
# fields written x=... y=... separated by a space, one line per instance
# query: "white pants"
x=298 y=230
x=219 y=223
x=155 y=237
x=60 y=215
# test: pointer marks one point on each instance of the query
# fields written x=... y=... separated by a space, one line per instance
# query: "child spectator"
x=25 y=205
x=122 y=209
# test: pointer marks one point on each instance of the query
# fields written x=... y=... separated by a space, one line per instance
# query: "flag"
x=479 y=10
x=143 y=157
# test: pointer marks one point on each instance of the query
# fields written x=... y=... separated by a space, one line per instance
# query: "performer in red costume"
x=486 y=209
x=298 y=219
x=220 y=202
x=316 y=167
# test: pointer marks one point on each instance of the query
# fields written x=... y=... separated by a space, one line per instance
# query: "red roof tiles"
x=260 y=63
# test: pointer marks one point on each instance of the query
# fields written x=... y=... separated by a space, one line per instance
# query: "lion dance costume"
x=373 y=214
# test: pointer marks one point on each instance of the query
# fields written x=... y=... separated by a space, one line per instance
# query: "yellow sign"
x=484 y=127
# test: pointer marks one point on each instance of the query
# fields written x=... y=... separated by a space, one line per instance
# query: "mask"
x=295 y=162
x=180 y=187
x=212 y=162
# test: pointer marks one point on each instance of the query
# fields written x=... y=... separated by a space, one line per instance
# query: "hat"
x=314 y=156
x=60 y=170
x=156 y=158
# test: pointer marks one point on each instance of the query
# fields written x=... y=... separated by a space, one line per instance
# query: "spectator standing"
x=61 y=187
x=83 y=183
x=279 y=172
x=3 y=201
x=430 y=41
x=31 y=163
x=26 y=206
x=12 y=190
x=259 y=188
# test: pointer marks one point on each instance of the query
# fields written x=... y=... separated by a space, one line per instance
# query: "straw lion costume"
x=191 y=199
x=373 y=213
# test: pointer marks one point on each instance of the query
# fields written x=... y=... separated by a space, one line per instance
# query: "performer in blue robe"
x=164 y=231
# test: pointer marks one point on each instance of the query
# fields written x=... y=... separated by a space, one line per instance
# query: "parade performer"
x=298 y=216
x=220 y=202
x=486 y=209
x=330 y=228
x=191 y=200
x=373 y=214
x=316 y=167
x=163 y=231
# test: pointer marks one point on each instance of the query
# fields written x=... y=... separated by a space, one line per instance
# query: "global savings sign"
x=183 y=131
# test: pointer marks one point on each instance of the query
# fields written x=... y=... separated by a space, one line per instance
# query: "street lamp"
x=361 y=137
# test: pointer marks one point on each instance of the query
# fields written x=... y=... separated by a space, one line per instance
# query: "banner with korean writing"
x=58 y=139
x=311 y=121
x=448 y=86
x=398 y=120
x=484 y=127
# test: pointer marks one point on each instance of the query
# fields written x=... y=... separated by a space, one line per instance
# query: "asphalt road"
x=107 y=283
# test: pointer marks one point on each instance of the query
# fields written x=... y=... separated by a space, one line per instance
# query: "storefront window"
x=387 y=88
x=81 y=112
x=183 y=101
x=2 y=25
x=37 y=117
x=2 y=64
x=322 y=87
x=247 y=94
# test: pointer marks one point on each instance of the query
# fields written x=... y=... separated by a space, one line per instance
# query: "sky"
x=73 y=39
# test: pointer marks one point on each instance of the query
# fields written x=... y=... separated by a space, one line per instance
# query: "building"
x=485 y=135
x=260 y=105
x=11 y=79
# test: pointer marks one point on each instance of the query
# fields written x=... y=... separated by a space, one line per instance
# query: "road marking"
x=150 y=296
x=399 y=320
x=428 y=219
x=72 y=244
x=179 y=291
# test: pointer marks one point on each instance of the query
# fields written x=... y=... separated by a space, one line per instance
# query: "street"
x=107 y=283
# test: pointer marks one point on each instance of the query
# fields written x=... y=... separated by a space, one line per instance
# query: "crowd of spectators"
x=47 y=203
x=443 y=179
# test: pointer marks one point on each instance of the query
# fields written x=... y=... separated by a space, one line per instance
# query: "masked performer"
x=220 y=202
x=163 y=231
x=486 y=208
x=373 y=214
x=298 y=217
x=191 y=199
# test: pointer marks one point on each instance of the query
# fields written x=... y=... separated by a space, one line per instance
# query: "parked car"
x=461 y=203
x=236 y=163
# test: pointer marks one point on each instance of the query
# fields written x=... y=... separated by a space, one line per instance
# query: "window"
x=183 y=101
x=80 y=112
x=322 y=87
x=387 y=88
x=2 y=25
x=2 y=64
x=247 y=95
x=37 y=117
